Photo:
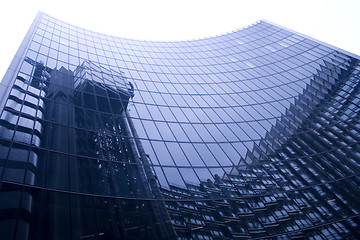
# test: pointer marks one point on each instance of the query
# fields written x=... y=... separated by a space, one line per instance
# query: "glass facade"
x=250 y=134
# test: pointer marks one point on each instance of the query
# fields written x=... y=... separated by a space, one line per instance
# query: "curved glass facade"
x=250 y=134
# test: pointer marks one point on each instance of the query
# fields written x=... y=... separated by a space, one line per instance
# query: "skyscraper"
x=251 y=134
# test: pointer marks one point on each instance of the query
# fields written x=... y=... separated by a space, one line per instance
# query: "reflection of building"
x=252 y=134
x=84 y=119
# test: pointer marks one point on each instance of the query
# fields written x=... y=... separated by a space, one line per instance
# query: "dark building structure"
x=249 y=135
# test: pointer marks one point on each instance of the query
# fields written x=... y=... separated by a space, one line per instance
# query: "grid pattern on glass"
x=94 y=119
x=220 y=93
x=293 y=189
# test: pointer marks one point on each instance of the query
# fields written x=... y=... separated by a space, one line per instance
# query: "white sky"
x=336 y=22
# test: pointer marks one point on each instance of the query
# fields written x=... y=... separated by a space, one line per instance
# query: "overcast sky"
x=334 y=22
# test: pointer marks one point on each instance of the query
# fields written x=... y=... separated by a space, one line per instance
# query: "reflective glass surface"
x=250 y=134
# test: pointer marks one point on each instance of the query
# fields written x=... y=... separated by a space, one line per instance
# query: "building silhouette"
x=247 y=135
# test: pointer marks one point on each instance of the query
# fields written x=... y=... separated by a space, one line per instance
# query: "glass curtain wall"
x=250 y=134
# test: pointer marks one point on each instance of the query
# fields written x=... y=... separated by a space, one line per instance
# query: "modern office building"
x=250 y=134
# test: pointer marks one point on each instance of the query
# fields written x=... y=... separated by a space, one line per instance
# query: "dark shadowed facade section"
x=251 y=134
